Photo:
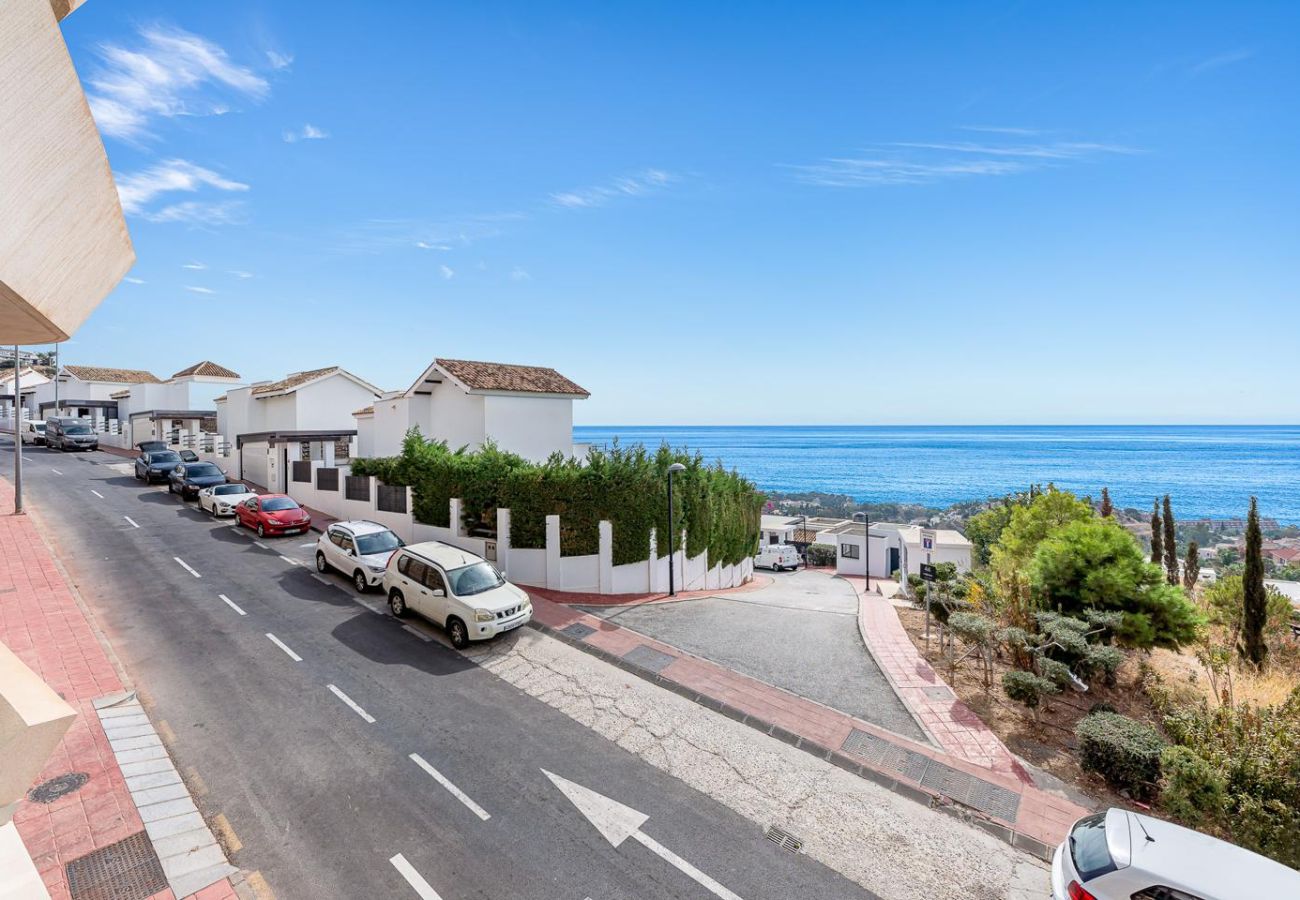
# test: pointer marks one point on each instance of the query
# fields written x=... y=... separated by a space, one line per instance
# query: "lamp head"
x=676 y=467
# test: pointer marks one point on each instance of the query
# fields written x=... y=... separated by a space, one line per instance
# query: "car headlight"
x=482 y=615
x=376 y=569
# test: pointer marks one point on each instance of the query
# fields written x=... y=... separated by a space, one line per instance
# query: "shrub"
x=1104 y=660
x=971 y=627
x=1027 y=688
x=1055 y=671
x=1190 y=789
x=1101 y=707
x=821 y=555
x=1121 y=750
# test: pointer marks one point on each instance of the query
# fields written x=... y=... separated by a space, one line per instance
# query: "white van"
x=777 y=557
x=456 y=589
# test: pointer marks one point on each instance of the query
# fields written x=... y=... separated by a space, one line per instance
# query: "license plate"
x=292 y=530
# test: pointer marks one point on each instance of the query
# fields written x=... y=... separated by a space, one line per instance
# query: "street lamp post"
x=672 y=548
x=18 y=436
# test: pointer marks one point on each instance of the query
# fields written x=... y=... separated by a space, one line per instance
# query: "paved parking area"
x=799 y=633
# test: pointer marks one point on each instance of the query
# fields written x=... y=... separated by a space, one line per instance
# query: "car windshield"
x=202 y=470
x=76 y=429
x=379 y=542
x=276 y=504
x=166 y=456
x=474 y=579
x=222 y=489
x=39 y=426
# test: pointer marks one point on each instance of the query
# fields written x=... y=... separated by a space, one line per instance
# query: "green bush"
x=717 y=509
x=1026 y=687
x=821 y=555
x=971 y=627
x=1190 y=790
x=1055 y=671
x=1121 y=750
x=1103 y=660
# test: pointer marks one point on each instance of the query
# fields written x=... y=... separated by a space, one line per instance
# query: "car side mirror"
x=439 y=592
x=352 y=551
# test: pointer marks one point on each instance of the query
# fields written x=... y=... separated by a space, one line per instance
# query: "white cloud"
x=1222 y=59
x=279 y=60
x=910 y=162
x=139 y=188
x=238 y=273
x=197 y=212
x=131 y=280
x=307 y=132
x=425 y=245
x=164 y=76
x=520 y=274
x=199 y=290
x=446 y=272
x=627 y=186
x=194 y=265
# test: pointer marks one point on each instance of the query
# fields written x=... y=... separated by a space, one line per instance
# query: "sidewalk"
x=42 y=622
x=1003 y=803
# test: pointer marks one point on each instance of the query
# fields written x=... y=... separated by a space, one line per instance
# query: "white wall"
x=325 y=404
x=453 y=416
x=533 y=427
x=365 y=426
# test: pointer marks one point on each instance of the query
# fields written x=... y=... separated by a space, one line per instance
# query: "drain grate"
x=648 y=658
x=578 y=630
x=127 y=870
x=784 y=839
x=59 y=786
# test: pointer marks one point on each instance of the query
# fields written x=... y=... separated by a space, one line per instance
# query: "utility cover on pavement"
x=648 y=658
x=578 y=630
x=59 y=786
x=127 y=870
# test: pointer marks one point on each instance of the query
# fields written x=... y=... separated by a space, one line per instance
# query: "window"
x=850 y=551
x=433 y=579
x=279 y=504
x=415 y=570
x=474 y=579
x=1160 y=892
x=336 y=537
x=343 y=448
x=403 y=564
x=379 y=542
x=345 y=543
x=1088 y=850
x=773 y=539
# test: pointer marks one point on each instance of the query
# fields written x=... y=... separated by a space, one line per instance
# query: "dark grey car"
x=157 y=465
x=188 y=478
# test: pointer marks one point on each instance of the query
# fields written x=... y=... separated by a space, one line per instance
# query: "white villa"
x=28 y=380
x=305 y=416
x=186 y=402
x=526 y=410
x=894 y=548
x=87 y=392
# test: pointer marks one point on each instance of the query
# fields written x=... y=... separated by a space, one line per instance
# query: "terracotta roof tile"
x=120 y=395
x=489 y=376
x=124 y=376
x=208 y=369
x=294 y=380
x=364 y=411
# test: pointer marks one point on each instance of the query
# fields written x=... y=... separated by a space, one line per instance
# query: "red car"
x=273 y=514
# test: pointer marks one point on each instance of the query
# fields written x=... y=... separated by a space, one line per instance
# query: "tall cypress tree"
x=1171 y=545
x=1157 y=541
x=1107 y=509
x=1192 y=565
x=1254 y=614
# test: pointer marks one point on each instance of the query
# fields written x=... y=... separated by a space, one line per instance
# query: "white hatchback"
x=456 y=589
x=359 y=549
x=221 y=499
x=1121 y=855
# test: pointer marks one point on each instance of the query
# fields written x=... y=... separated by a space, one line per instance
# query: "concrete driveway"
x=799 y=633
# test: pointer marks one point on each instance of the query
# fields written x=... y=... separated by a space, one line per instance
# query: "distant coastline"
x=1210 y=470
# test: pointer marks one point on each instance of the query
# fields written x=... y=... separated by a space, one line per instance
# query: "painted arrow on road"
x=617 y=823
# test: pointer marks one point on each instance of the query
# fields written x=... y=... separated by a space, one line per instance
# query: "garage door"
x=255 y=463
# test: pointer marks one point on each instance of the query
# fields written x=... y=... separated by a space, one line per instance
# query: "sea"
x=1210 y=471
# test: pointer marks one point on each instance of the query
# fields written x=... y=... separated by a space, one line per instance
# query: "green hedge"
x=718 y=509
x=1124 y=751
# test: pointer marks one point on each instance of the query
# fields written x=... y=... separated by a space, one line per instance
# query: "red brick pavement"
x=42 y=623
x=1042 y=817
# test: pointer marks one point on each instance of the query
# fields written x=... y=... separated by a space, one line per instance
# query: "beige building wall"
x=63 y=241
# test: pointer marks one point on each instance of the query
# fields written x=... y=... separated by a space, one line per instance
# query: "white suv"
x=358 y=549
x=456 y=589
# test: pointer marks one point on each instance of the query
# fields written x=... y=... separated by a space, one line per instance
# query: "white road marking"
x=282 y=645
x=451 y=788
x=186 y=567
x=290 y=560
x=260 y=544
x=352 y=703
x=414 y=878
x=231 y=604
x=307 y=545
x=55 y=471
x=97 y=494
x=411 y=629
x=322 y=579
x=132 y=521
x=617 y=823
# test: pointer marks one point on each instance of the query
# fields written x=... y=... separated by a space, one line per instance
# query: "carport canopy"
x=291 y=437
x=67 y=402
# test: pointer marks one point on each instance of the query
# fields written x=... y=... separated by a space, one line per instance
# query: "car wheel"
x=457 y=633
x=359 y=581
x=261 y=531
x=321 y=565
x=397 y=603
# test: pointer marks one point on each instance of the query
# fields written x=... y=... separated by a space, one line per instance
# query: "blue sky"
x=814 y=213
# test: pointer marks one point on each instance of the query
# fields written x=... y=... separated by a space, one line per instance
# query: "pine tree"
x=1171 y=545
x=1107 y=509
x=1157 y=544
x=1192 y=566
x=1254 y=614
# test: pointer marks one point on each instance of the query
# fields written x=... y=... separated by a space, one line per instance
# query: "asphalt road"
x=799 y=633
x=322 y=799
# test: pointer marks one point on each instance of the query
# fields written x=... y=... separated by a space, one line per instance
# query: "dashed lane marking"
x=313 y=544
x=351 y=703
x=422 y=888
x=97 y=494
x=55 y=471
x=290 y=560
x=133 y=522
x=260 y=544
x=232 y=604
x=283 y=646
x=451 y=788
x=186 y=566
x=411 y=629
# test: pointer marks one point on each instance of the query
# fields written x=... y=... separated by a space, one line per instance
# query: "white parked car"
x=358 y=549
x=33 y=432
x=221 y=499
x=1121 y=855
x=456 y=589
x=777 y=557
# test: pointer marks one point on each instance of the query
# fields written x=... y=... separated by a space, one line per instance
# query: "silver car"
x=1121 y=855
